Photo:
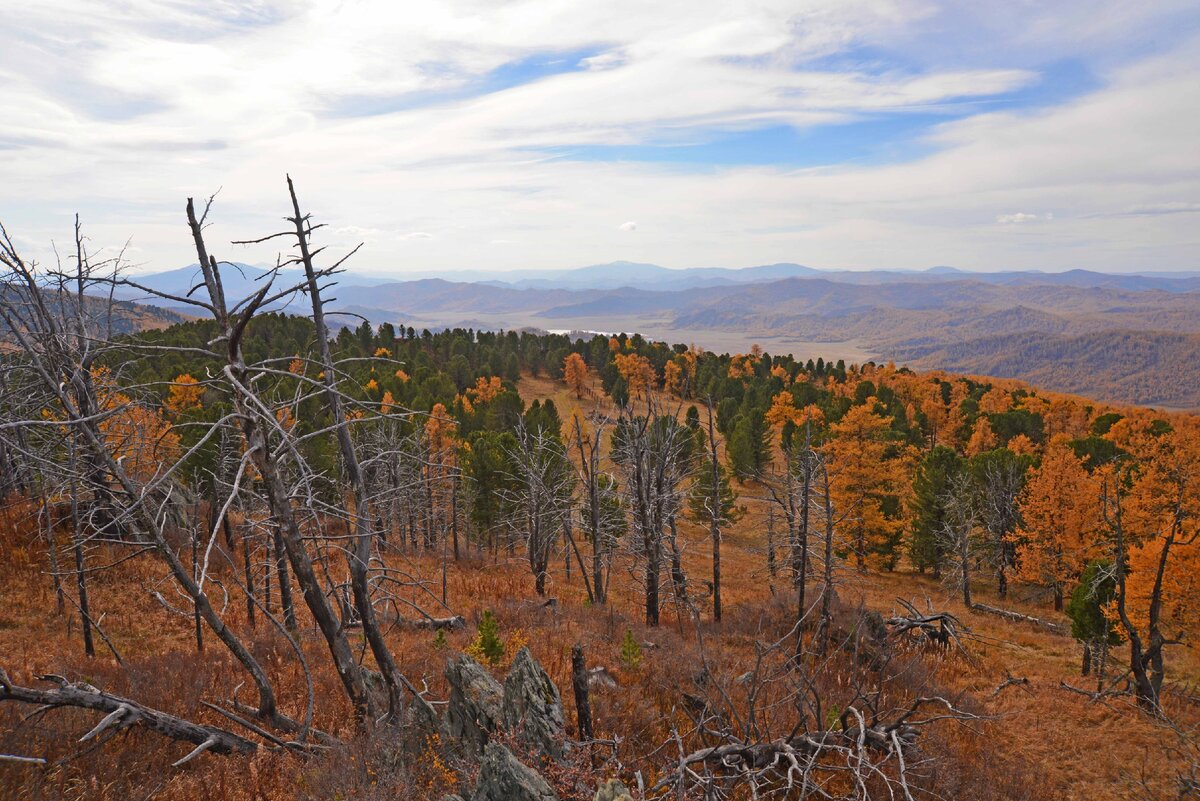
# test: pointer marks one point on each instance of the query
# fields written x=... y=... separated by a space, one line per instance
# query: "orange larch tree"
x=1061 y=519
x=183 y=396
x=673 y=378
x=575 y=373
x=141 y=438
x=485 y=390
x=637 y=371
x=1156 y=532
x=861 y=478
x=983 y=439
x=995 y=400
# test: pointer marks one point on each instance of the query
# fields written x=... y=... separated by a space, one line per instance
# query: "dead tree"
x=841 y=737
x=941 y=628
x=715 y=508
x=604 y=519
x=999 y=512
x=579 y=683
x=541 y=493
x=652 y=453
x=360 y=515
x=122 y=713
x=31 y=311
x=957 y=536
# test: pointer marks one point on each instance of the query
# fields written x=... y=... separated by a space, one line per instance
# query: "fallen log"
x=939 y=627
x=122 y=713
x=24 y=760
x=895 y=740
x=1011 y=681
x=1017 y=617
x=454 y=622
x=434 y=623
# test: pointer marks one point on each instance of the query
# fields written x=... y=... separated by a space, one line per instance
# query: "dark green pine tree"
x=749 y=448
x=700 y=496
x=1095 y=630
x=931 y=484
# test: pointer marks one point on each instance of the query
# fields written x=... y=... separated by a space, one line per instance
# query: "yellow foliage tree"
x=637 y=372
x=1022 y=445
x=1061 y=519
x=575 y=373
x=937 y=418
x=183 y=396
x=996 y=400
x=983 y=439
x=486 y=389
x=1163 y=519
x=140 y=437
x=742 y=365
x=673 y=378
x=861 y=476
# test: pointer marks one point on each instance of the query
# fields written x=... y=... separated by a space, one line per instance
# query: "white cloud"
x=631 y=225
x=1173 y=207
x=373 y=110
x=358 y=231
x=1022 y=217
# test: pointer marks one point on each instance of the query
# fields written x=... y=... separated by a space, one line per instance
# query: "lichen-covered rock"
x=476 y=702
x=503 y=778
x=533 y=708
x=612 y=790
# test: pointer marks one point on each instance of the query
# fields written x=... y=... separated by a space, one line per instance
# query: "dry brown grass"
x=1041 y=742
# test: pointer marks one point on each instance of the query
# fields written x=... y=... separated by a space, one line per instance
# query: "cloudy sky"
x=554 y=133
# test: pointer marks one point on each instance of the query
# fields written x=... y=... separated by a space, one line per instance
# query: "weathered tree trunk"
x=827 y=588
x=771 y=570
x=251 y=610
x=714 y=530
x=454 y=513
x=802 y=534
x=283 y=580
x=52 y=552
x=244 y=402
x=196 y=621
x=653 y=573
x=362 y=529
x=85 y=615
x=579 y=681
x=678 y=577
x=1086 y=668
x=122 y=712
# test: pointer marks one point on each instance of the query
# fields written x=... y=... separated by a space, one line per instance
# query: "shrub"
x=631 y=652
x=488 y=647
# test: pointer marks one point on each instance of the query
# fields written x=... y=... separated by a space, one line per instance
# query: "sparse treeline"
x=972 y=479
x=968 y=479
x=268 y=456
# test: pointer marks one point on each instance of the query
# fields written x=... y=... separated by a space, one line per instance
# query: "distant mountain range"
x=1118 y=337
x=617 y=274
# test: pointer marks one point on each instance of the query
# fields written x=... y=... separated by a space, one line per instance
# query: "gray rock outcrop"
x=503 y=778
x=532 y=708
x=476 y=702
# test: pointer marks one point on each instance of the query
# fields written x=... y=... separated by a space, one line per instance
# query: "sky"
x=500 y=135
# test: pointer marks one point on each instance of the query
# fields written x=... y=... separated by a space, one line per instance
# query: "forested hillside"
x=249 y=557
x=1156 y=368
